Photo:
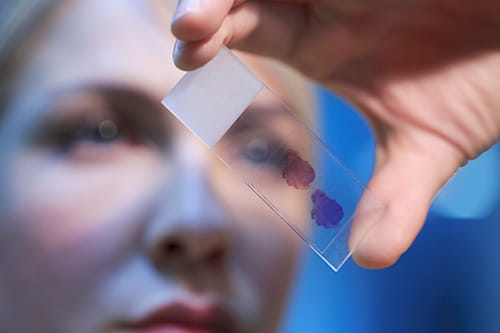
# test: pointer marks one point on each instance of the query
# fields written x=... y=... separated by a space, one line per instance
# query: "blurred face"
x=114 y=217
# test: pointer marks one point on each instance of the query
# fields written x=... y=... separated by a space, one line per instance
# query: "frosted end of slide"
x=210 y=99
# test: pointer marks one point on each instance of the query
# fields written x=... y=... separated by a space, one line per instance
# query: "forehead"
x=113 y=41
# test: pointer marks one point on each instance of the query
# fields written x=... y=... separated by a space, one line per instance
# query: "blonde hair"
x=17 y=21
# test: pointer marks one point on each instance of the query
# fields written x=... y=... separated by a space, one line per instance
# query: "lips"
x=172 y=329
x=180 y=318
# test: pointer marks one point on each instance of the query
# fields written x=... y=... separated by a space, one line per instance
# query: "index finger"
x=196 y=20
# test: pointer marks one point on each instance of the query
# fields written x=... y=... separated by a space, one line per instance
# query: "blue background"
x=448 y=281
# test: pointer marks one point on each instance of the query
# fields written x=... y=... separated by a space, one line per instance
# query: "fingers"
x=262 y=27
x=406 y=182
x=191 y=55
x=195 y=20
x=201 y=28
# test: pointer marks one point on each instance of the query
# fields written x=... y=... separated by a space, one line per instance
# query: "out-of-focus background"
x=447 y=282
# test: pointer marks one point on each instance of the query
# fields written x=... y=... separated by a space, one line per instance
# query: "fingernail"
x=187 y=7
x=178 y=46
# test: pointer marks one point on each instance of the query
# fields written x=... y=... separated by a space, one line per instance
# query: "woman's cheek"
x=268 y=252
x=81 y=220
x=266 y=249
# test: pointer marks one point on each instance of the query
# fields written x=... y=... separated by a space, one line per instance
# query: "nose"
x=191 y=228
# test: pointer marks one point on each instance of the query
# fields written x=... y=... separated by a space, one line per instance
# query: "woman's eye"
x=107 y=130
x=102 y=132
x=263 y=152
x=257 y=150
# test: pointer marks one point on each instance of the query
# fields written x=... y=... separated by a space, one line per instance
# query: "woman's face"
x=114 y=217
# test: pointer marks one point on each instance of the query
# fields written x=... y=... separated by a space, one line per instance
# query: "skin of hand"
x=425 y=74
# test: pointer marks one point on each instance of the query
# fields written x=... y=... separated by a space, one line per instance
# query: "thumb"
x=405 y=180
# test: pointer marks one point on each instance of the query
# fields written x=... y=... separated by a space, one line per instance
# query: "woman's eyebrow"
x=127 y=95
x=262 y=113
x=257 y=115
x=108 y=94
x=132 y=104
x=142 y=109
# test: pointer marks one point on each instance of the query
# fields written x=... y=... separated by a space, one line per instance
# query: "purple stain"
x=297 y=172
x=326 y=211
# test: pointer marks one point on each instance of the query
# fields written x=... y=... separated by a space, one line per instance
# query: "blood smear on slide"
x=297 y=172
x=326 y=212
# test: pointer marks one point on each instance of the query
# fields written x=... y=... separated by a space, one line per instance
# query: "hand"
x=425 y=73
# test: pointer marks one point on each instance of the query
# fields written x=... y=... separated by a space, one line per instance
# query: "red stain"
x=297 y=172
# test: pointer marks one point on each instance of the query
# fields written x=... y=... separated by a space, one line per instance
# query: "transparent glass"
x=276 y=155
